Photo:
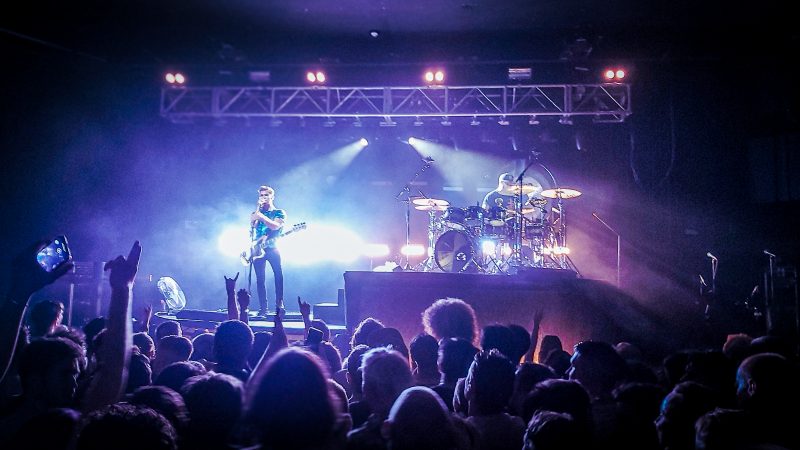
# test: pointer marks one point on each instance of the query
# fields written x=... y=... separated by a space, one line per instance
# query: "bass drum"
x=455 y=251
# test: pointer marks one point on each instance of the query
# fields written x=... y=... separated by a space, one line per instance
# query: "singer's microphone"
x=768 y=253
x=712 y=256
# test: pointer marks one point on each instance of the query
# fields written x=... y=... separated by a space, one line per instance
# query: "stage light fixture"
x=175 y=78
x=565 y=120
x=614 y=74
x=446 y=121
x=329 y=123
x=358 y=123
x=503 y=121
x=170 y=78
x=474 y=122
x=533 y=120
x=434 y=76
x=413 y=141
x=317 y=77
x=519 y=73
x=418 y=122
x=363 y=142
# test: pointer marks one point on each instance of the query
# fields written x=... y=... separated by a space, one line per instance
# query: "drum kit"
x=500 y=239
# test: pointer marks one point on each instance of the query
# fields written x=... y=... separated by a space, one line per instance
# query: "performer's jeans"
x=274 y=257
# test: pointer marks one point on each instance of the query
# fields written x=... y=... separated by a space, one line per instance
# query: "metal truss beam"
x=602 y=102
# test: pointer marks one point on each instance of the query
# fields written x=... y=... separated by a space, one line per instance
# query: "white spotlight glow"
x=439 y=76
x=375 y=250
x=620 y=74
x=412 y=141
x=179 y=78
x=170 y=78
x=321 y=77
x=413 y=250
x=321 y=243
x=488 y=247
x=364 y=142
x=311 y=77
x=233 y=240
x=609 y=74
x=429 y=76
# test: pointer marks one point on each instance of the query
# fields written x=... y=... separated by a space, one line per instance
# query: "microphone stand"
x=407 y=190
x=619 y=245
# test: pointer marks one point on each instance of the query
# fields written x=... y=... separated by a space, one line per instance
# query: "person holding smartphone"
x=266 y=224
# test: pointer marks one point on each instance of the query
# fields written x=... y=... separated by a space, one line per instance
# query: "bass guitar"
x=257 y=247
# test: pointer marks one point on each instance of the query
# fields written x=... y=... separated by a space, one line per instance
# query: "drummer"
x=506 y=192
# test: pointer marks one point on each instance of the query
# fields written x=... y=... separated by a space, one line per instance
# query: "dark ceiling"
x=252 y=32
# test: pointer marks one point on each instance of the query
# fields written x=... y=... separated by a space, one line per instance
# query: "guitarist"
x=266 y=223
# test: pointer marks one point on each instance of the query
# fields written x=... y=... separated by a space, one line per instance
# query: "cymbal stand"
x=517 y=258
x=407 y=190
x=430 y=263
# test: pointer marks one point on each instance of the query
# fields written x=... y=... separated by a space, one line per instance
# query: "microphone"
x=712 y=256
x=768 y=253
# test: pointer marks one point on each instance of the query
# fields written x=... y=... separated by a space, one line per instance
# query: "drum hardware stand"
x=619 y=246
x=517 y=258
x=430 y=263
x=407 y=190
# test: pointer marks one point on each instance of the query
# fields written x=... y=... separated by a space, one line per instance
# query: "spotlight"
x=316 y=76
x=434 y=76
x=374 y=34
x=412 y=141
x=503 y=121
x=358 y=123
x=533 y=120
x=565 y=120
x=418 y=122
x=175 y=78
x=519 y=73
x=446 y=122
x=474 y=122
x=329 y=123
x=364 y=142
x=614 y=74
x=375 y=250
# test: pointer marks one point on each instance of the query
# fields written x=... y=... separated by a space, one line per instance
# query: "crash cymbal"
x=529 y=188
x=430 y=208
x=430 y=202
x=561 y=193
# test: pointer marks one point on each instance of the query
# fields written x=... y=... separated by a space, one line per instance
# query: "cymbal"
x=430 y=202
x=529 y=186
x=561 y=193
x=430 y=207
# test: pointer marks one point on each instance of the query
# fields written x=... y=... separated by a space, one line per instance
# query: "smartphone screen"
x=56 y=253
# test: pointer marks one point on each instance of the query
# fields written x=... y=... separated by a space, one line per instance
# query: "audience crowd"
x=117 y=383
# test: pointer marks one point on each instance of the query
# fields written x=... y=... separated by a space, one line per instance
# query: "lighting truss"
x=609 y=102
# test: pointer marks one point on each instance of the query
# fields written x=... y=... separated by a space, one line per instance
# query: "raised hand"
x=27 y=276
x=230 y=283
x=123 y=270
x=305 y=308
x=243 y=298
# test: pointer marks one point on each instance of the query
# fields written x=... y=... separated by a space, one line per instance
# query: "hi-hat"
x=561 y=193
x=430 y=202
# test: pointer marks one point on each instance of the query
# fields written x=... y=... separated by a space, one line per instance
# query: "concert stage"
x=574 y=309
